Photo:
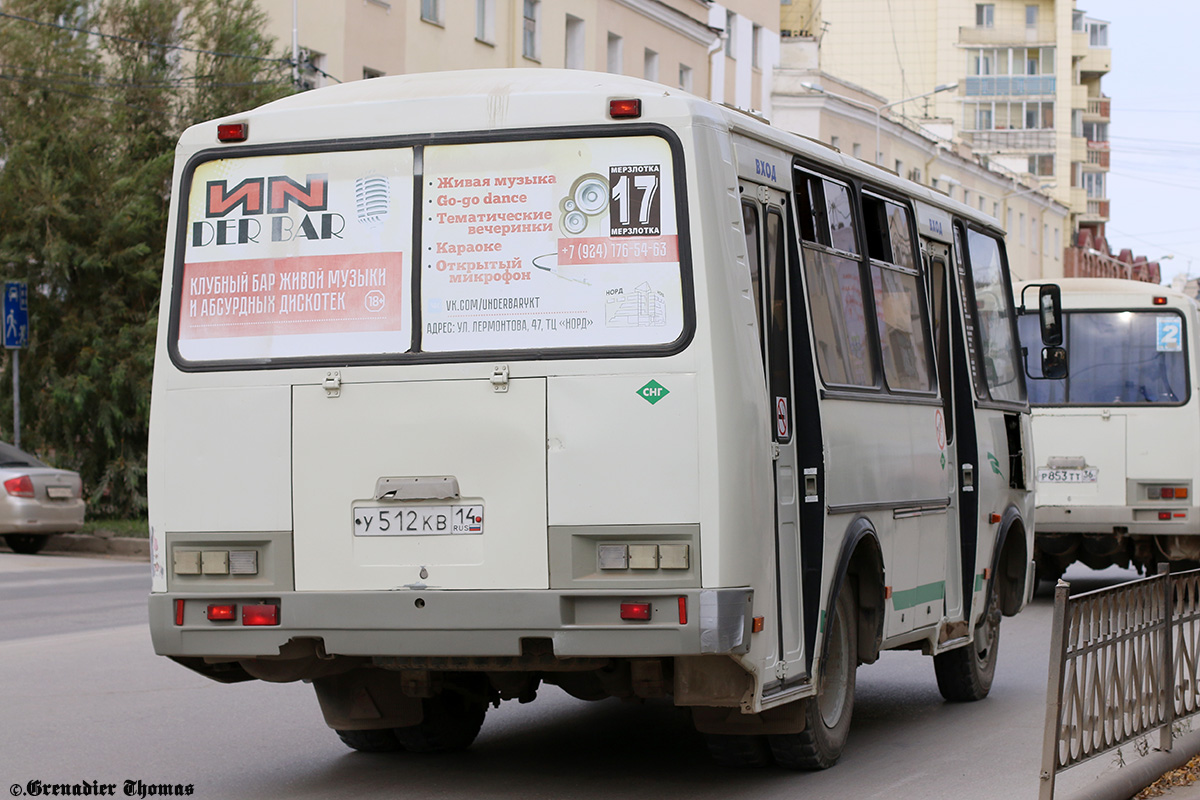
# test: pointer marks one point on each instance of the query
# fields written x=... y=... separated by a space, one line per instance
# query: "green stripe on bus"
x=921 y=594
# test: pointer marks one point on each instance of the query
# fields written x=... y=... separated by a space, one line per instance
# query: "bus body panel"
x=664 y=456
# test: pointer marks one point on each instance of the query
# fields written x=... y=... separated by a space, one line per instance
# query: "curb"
x=99 y=544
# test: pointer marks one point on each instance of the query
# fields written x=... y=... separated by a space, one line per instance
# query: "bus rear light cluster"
x=215 y=562
x=1167 y=492
x=643 y=556
x=253 y=614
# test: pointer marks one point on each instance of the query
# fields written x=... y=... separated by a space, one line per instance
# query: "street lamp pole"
x=813 y=87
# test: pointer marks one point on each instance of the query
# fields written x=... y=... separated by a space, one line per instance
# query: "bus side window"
x=808 y=199
x=899 y=312
x=941 y=336
x=779 y=369
x=750 y=224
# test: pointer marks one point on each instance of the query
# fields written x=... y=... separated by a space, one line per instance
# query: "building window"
x=1021 y=228
x=899 y=168
x=650 y=66
x=1009 y=229
x=857 y=149
x=529 y=38
x=756 y=47
x=312 y=69
x=996 y=209
x=485 y=20
x=1093 y=184
x=1095 y=131
x=685 y=77
x=1077 y=21
x=1041 y=164
x=1057 y=248
x=985 y=15
x=833 y=140
x=431 y=11
x=730 y=32
x=1031 y=13
x=616 y=51
x=573 y=57
x=1097 y=34
x=371 y=73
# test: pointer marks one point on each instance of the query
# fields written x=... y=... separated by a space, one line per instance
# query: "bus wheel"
x=25 y=543
x=732 y=750
x=966 y=673
x=452 y=720
x=382 y=740
x=826 y=716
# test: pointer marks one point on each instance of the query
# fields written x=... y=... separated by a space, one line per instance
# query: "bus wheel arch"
x=1010 y=560
x=860 y=566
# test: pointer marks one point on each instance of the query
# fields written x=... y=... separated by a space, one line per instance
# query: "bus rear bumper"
x=1108 y=520
x=457 y=623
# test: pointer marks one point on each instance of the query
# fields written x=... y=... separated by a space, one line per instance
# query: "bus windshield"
x=1117 y=358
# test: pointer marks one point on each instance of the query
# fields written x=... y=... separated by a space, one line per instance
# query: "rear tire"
x=25 y=543
x=733 y=750
x=452 y=721
x=382 y=740
x=965 y=674
x=826 y=716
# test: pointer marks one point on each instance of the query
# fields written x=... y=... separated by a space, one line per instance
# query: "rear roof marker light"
x=233 y=132
x=1160 y=301
x=629 y=108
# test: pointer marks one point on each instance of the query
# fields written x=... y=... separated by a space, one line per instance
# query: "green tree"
x=88 y=123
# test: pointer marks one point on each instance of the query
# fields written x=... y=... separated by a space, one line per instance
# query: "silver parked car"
x=37 y=500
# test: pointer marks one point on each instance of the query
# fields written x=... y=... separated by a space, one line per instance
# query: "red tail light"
x=630 y=108
x=233 y=132
x=222 y=611
x=635 y=611
x=260 y=615
x=178 y=612
x=682 y=610
x=1164 y=515
x=19 y=487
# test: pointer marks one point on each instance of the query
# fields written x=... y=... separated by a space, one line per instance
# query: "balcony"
x=1043 y=34
x=1096 y=60
x=1098 y=108
x=1010 y=85
x=1097 y=211
x=1097 y=154
x=1012 y=140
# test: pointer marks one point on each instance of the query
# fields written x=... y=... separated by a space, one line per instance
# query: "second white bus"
x=1117 y=439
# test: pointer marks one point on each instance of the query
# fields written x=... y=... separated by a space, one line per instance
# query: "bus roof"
x=1110 y=291
x=498 y=99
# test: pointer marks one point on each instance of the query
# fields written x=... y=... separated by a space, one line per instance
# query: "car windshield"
x=11 y=457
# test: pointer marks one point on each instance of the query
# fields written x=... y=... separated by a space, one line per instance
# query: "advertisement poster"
x=298 y=255
x=550 y=244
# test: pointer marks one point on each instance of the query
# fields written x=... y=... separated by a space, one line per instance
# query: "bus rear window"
x=550 y=244
x=1116 y=358
x=523 y=245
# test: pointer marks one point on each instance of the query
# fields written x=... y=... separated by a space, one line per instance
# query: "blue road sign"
x=16 y=315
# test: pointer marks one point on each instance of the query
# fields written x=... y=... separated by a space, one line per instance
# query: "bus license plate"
x=418 y=520
x=1085 y=475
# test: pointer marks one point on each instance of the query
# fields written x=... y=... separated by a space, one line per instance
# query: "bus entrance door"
x=766 y=248
x=949 y=382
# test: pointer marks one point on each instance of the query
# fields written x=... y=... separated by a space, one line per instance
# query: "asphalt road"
x=84 y=698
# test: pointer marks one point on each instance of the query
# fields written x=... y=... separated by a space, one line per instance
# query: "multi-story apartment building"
x=1028 y=73
x=724 y=51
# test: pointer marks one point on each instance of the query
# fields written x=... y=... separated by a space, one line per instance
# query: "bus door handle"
x=968 y=479
x=810 y=485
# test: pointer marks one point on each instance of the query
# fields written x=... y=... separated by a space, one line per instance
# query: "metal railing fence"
x=1123 y=664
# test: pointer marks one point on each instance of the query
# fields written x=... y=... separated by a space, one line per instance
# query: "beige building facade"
x=1028 y=97
x=843 y=116
x=724 y=51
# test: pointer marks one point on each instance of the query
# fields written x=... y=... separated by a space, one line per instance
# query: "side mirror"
x=1054 y=361
x=1051 y=317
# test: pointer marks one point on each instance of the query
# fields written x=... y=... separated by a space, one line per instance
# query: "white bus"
x=1115 y=440
x=472 y=382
